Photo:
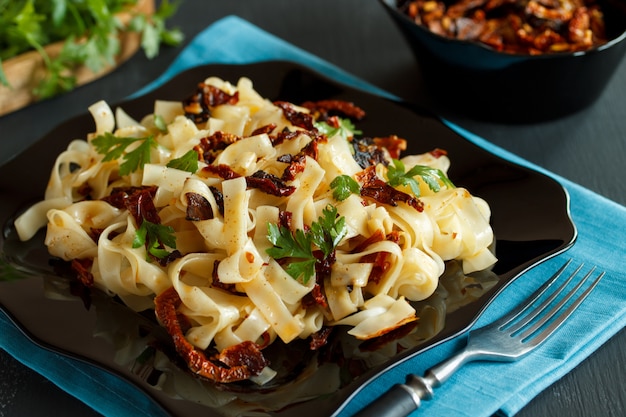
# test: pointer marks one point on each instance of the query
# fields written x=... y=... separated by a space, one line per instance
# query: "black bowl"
x=480 y=82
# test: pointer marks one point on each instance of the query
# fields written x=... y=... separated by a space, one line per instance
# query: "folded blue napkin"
x=478 y=389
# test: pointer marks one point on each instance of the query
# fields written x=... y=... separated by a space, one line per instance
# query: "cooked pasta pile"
x=250 y=220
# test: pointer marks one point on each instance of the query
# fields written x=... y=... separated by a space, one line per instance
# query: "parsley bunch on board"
x=88 y=28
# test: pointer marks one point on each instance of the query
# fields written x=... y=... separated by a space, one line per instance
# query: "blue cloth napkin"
x=479 y=389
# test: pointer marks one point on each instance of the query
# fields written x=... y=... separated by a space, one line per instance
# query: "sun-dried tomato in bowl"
x=514 y=26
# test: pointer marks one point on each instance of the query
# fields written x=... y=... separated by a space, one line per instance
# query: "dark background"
x=358 y=36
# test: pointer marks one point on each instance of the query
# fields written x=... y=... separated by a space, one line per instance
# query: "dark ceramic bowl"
x=480 y=82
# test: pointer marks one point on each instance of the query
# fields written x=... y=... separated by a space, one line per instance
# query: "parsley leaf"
x=155 y=237
x=326 y=234
x=113 y=147
x=159 y=122
x=346 y=128
x=433 y=177
x=343 y=186
x=188 y=162
x=328 y=231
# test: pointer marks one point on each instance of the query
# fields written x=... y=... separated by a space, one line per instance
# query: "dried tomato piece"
x=211 y=146
x=377 y=189
x=119 y=195
x=222 y=171
x=323 y=109
x=269 y=184
x=267 y=129
x=367 y=153
x=197 y=105
x=140 y=204
x=295 y=117
x=393 y=144
x=219 y=199
x=236 y=363
x=297 y=163
x=198 y=207
x=320 y=338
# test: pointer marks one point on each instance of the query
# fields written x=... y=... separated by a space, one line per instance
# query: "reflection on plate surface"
x=530 y=219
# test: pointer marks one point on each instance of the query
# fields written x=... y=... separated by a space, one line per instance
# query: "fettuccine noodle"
x=219 y=271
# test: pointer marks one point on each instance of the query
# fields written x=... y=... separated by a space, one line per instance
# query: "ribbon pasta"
x=230 y=289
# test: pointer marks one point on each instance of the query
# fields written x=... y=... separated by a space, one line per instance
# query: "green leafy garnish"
x=188 y=162
x=159 y=122
x=325 y=234
x=433 y=177
x=343 y=186
x=346 y=128
x=113 y=147
x=89 y=30
x=155 y=237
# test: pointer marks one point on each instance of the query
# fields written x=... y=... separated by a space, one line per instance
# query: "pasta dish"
x=242 y=221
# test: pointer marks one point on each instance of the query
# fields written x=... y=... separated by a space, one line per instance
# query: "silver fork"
x=506 y=340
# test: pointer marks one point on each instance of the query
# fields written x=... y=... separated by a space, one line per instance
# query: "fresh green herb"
x=188 y=162
x=325 y=234
x=328 y=231
x=159 y=122
x=156 y=238
x=89 y=30
x=154 y=31
x=433 y=177
x=343 y=186
x=346 y=128
x=113 y=147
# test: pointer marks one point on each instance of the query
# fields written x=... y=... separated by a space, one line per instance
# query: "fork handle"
x=400 y=400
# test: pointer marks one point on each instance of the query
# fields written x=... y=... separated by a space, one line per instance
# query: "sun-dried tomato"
x=223 y=171
x=323 y=109
x=284 y=219
x=269 y=184
x=198 y=207
x=140 y=205
x=315 y=297
x=320 y=338
x=119 y=196
x=198 y=105
x=295 y=117
x=438 y=153
x=211 y=146
x=236 y=363
x=393 y=144
x=219 y=199
x=367 y=153
x=296 y=166
x=267 y=129
x=377 y=189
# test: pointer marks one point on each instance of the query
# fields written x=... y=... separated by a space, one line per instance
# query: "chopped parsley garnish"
x=325 y=234
x=188 y=162
x=346 y=128
x=159 y=123
x=433 y=177
x=343 y=186
x=155 y=237
x=113 y=147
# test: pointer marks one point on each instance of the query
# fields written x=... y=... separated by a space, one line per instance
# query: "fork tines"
x=540 y=322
